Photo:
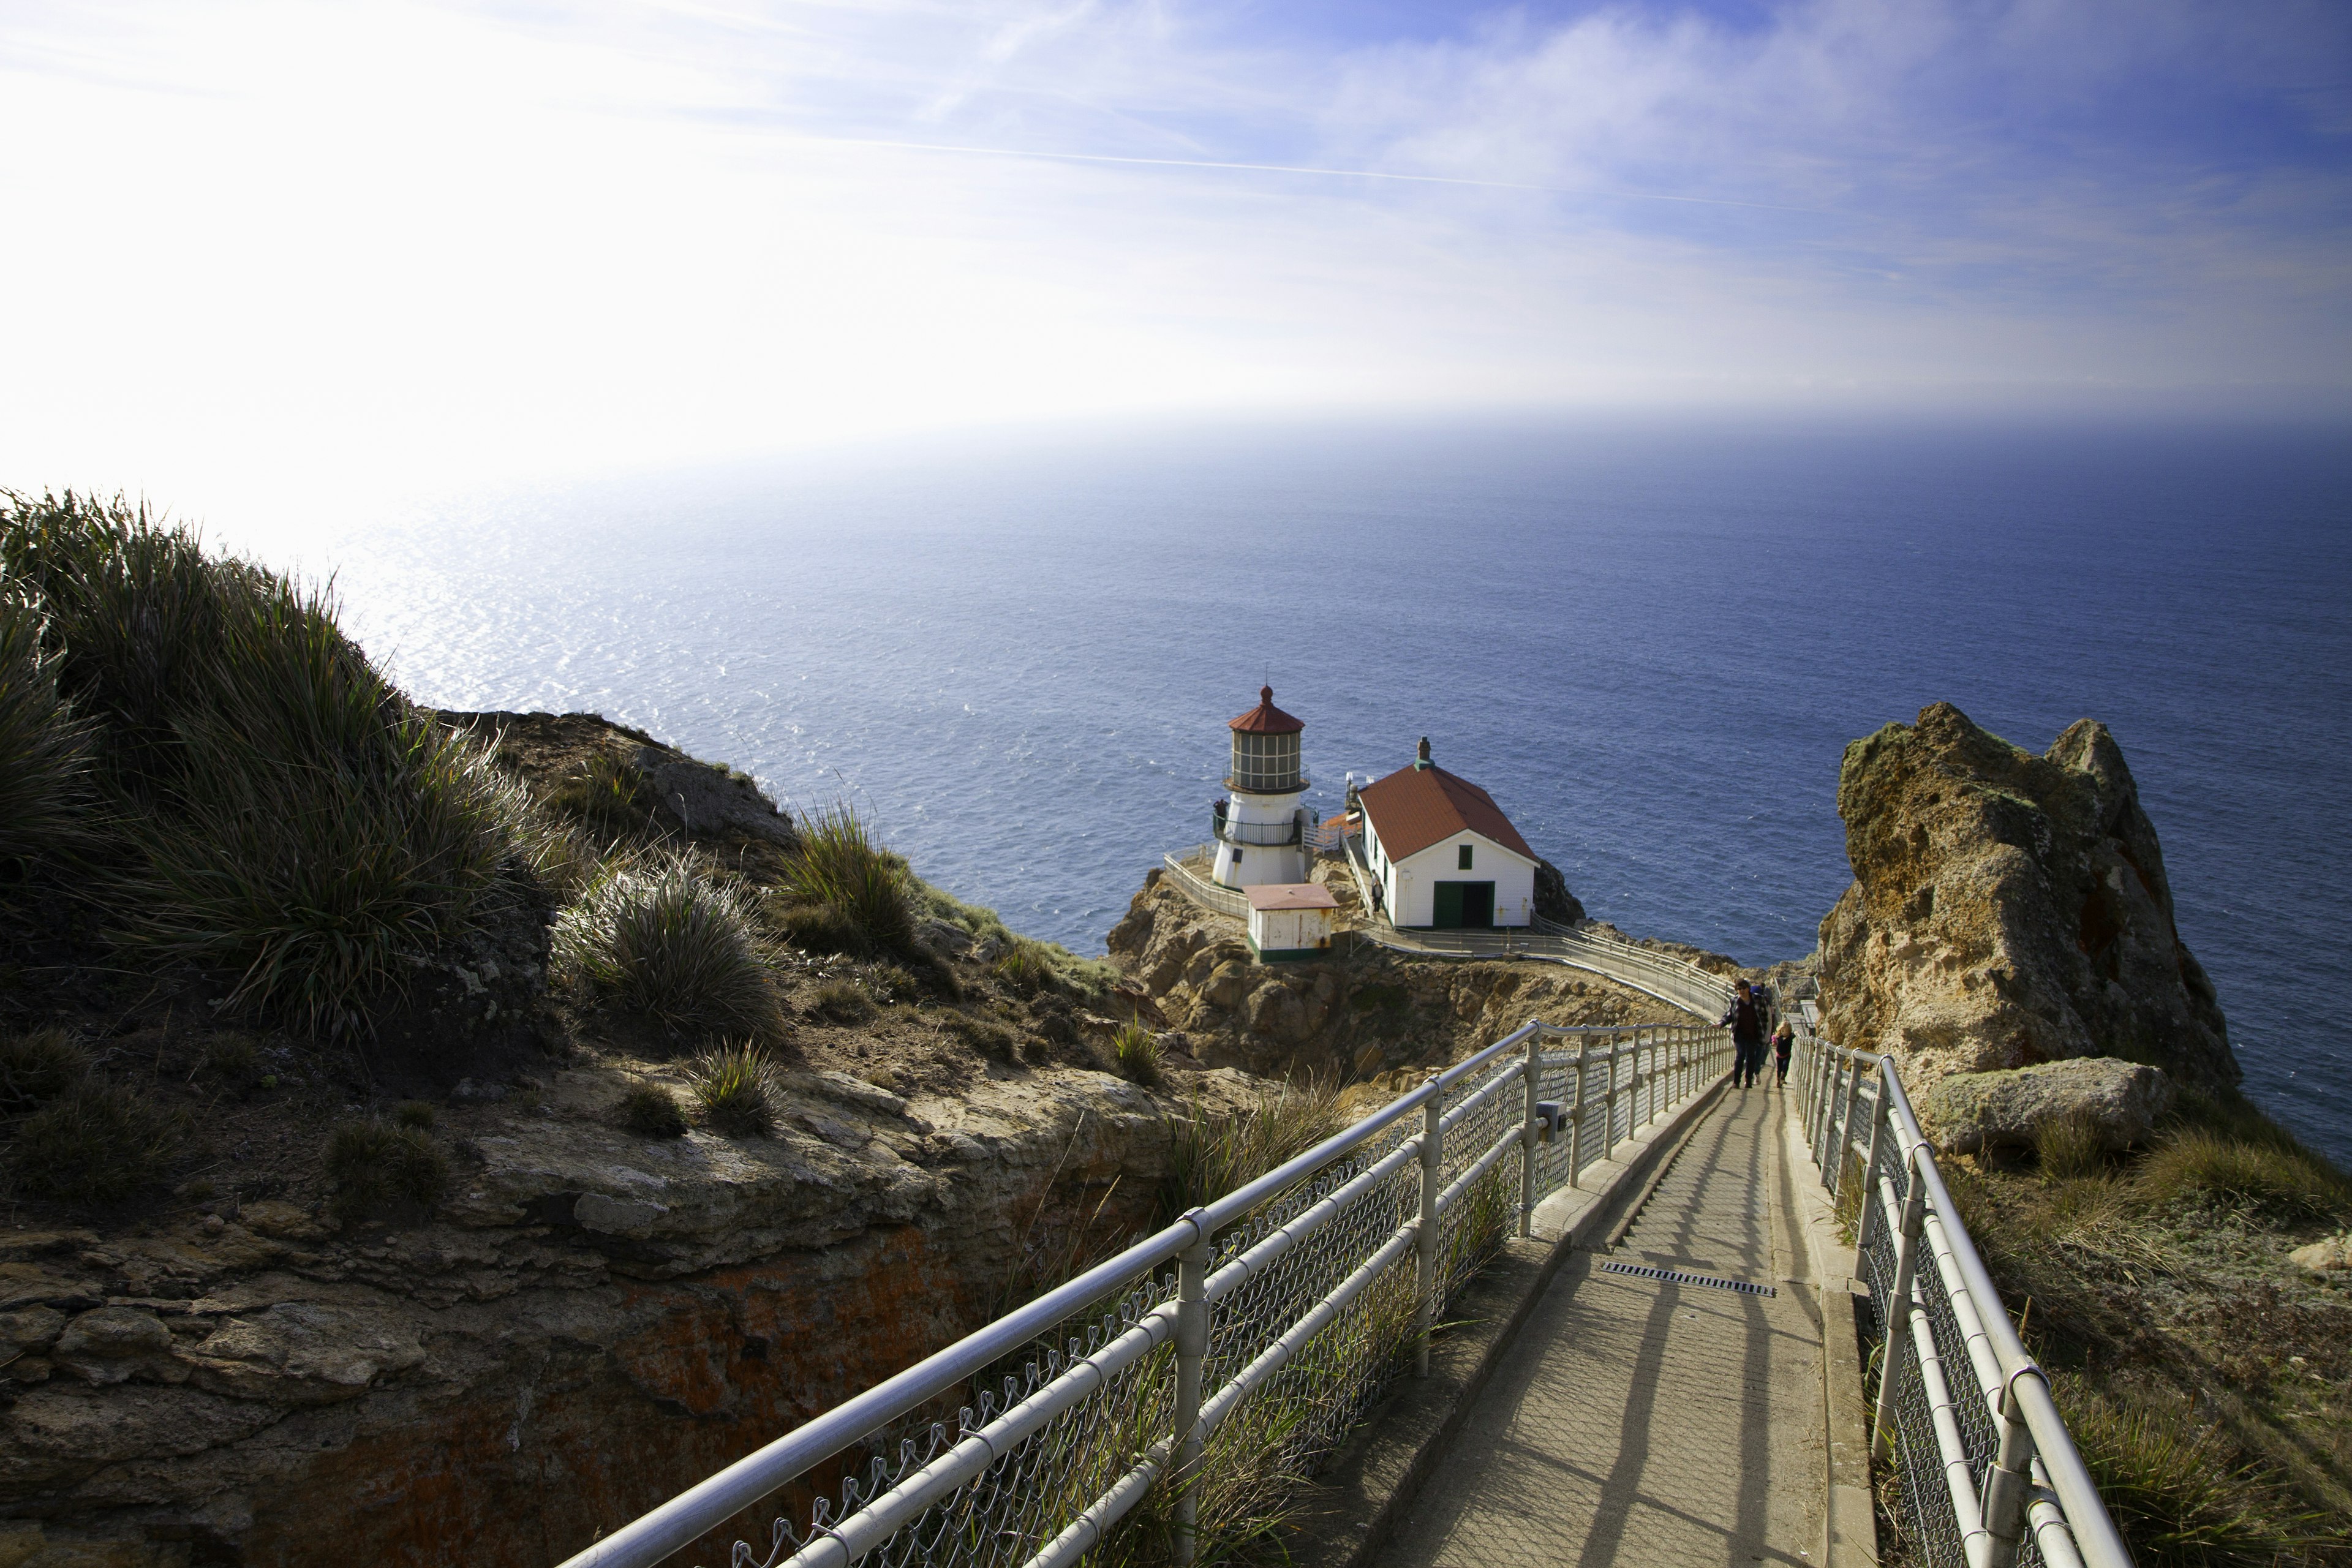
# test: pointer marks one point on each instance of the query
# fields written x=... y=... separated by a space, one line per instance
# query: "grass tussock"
x=383 y=1170
x=842 y=892
x=986 y=1035
x=1024 y=969
x=733 y=1085
x=47 y=792
x=650 y=1111
x=94 y=1142
x=671 y=944
x=37 y=1067
x=413 y=1113
x=606 y=795
x=842 y=1002
x=1212 y=1152
x=2280 y=1177
x=2182 y=1496
x=2071 y=1146
x=266 y=803
x=1135 y=1051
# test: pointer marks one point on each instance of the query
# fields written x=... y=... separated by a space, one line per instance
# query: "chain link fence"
x=1986 y=1473
x=1164 y=1407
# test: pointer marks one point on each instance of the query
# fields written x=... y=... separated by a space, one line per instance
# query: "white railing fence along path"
x=1989 y=1477
x=1189 y=872
x=1183 y=1386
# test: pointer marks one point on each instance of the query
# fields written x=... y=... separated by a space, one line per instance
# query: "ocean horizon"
x=1650 y=638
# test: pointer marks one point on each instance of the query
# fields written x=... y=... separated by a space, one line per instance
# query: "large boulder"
x=1969 y=1112
x=1553 y=900
x=2008 y=910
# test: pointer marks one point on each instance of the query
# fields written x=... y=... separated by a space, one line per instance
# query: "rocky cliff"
x=2007 y=908
x=1361 y=1016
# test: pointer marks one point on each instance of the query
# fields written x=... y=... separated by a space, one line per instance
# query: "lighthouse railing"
x=1184 y=872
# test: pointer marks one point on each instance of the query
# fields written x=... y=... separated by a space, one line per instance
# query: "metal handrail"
x=1202 y=891
x=2028 y=1482
x=1684 y=1057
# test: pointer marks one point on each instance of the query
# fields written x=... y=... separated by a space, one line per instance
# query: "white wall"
x=1286 y=930
x=1260 y=864
x=1411 y=884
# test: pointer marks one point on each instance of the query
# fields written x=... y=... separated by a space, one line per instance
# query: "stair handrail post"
x=1879 y=1116
x=1191 y=1356
x=1608 y=1101
x=1845 y=1127
x=1576 y=1111
x=2011 y=1480
x=1424 y=1241
x=1897 y=1342
x=1528 y=1134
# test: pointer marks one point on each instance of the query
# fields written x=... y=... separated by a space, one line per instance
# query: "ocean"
x=1650 y=639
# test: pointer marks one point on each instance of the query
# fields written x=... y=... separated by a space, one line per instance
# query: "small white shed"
x=1290 y=921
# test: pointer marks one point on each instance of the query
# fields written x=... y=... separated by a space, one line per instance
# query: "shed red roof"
x=1414 y=808
x=1265 y=718
x=1291 y=896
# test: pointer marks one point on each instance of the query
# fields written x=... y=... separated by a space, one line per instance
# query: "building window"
x=1237 y=857
x=1463 y=864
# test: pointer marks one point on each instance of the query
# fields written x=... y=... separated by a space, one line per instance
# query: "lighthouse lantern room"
x=1260 y=831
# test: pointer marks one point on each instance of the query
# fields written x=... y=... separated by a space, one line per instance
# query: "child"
x=1784 y=1039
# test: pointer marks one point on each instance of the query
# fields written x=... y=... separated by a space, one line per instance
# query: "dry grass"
x=842 y=1002
x=2070 y=1146
x=1214 y=1153
x=93 y=1141
x=37 y=1067
x=2281 y=1178
x=650 y=1111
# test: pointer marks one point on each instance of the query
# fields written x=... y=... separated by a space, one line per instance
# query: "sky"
x=414 y=242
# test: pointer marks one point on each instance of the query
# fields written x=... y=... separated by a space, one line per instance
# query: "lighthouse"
x=1260 y=831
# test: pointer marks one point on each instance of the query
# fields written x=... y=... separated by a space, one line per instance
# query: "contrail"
x=1297 y=169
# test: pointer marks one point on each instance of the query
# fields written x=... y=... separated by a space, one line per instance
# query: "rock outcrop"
x=2008 y=910
x=1972 y=1112
x=1363 y=1013
x=592 y=1322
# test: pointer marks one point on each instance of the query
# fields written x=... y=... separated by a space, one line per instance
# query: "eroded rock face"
x=1968 y=1112
x=591 y=1324
x=1363 y=1013
x=2008 y=910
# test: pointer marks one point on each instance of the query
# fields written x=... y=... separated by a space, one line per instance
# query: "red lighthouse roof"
x=1265 y=718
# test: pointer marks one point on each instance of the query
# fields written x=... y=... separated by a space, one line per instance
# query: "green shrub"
x=673 y=946
x=842 y=1002
x=2181 y=1497
x=380 y=1169
x=35 y=1069
x=2070 y=1146
x=732 y=1085
x=413 y=1113
x=2280 y=1177
x=96 y=1141
x=288 y=817
x=835 y=867
x=47 y=793
x=649 y=1110
x=1135 y=1051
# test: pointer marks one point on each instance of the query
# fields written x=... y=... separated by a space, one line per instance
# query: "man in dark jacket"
x=1747 y=1025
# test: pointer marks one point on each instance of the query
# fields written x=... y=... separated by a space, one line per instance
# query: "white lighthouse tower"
x=1261 y=831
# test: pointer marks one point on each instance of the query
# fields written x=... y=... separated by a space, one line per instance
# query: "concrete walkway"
x=1635 y=1422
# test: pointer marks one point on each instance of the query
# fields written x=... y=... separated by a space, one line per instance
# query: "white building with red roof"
x=1442 y=852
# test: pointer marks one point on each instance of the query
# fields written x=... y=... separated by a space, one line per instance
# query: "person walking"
x=1747 y=1036
x=1784 y=1040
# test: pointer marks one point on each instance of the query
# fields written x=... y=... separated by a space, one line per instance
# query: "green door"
x=1447 y=914
x=1477 y=905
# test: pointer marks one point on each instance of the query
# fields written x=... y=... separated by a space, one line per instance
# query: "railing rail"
x=1184 y=871
x=1242 y=1340
x=1989 y=1475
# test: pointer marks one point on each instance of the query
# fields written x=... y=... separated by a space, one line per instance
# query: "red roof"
x=1414 y=808
x=1265 y=718
x=1291 y=896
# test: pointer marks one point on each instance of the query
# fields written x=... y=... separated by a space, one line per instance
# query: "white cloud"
x=403 y=241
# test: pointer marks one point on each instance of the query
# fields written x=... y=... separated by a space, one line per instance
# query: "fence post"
x=1424 y=1243
x=2011 y=1477
x=1192 y=1354
x=1528 y=1135
x=1609 y=1102
x=1898 y=1307
x=1845 y=1127
x=1576 y=1112
x=1881 y=1108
